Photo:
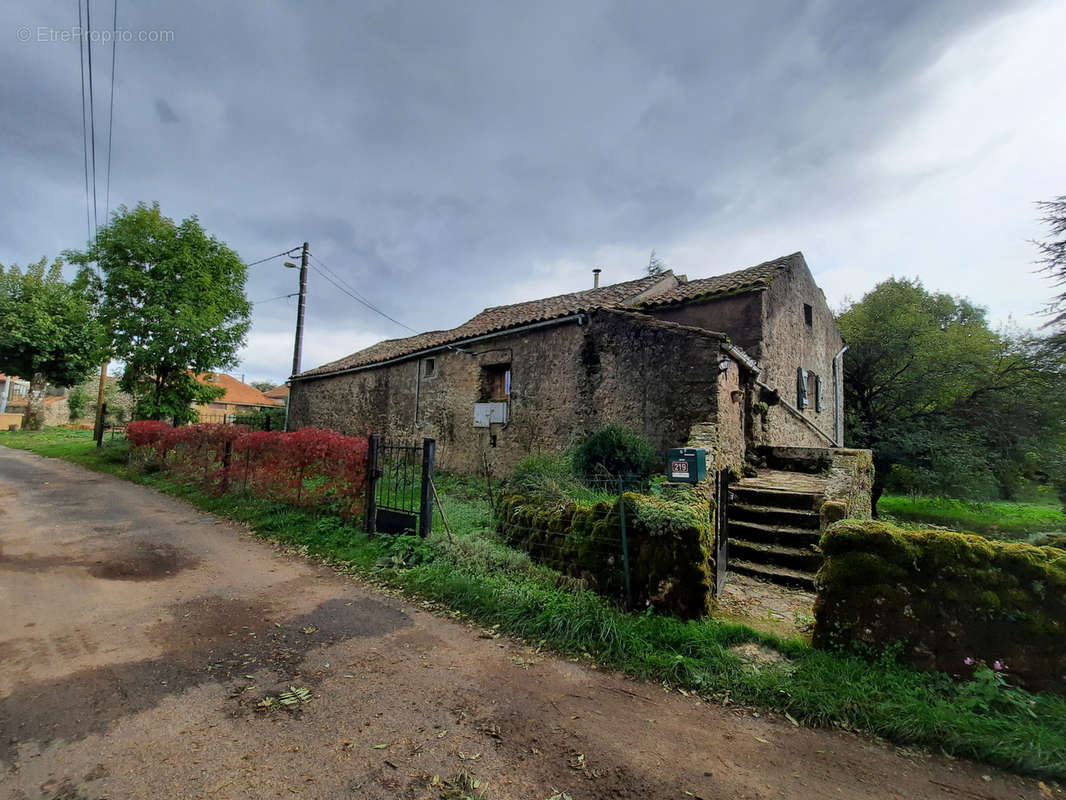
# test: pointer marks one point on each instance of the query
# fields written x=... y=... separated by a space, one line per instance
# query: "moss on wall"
x=670 y=539
x=945 y=598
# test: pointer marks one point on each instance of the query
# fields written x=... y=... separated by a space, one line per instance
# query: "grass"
x=473 y=573
x=1000 y=519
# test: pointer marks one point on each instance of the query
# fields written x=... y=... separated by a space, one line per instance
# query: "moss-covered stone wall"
x=670 y=539
x=945 y=598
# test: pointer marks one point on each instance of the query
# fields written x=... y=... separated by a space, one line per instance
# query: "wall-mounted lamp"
x=723 y=365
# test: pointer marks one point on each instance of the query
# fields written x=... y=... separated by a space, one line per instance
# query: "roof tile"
x=645 y=292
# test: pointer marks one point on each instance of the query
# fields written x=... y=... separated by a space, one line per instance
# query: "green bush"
x=77 y=402
x=949 y=601
x=546 y=475
x=615 y=450
x=262 y=419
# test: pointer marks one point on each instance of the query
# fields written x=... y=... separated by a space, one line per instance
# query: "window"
x=495 y=383
x=429 y=368
x=801 y=388
x=808 y=315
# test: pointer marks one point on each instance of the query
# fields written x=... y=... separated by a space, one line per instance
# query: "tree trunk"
x=33 y=418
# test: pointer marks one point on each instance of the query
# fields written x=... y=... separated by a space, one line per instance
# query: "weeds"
x=477 y=575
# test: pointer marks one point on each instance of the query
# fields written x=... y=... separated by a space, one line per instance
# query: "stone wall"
x=770 y=325
x=851 y=479
x=567 y=379
x=943 y=599
x=739 y=316
x=788 y=343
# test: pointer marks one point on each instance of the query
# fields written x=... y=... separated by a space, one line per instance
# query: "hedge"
x=670 y=539
x=946 y=601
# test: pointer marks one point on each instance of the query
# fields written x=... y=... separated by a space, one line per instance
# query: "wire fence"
x=264 y=419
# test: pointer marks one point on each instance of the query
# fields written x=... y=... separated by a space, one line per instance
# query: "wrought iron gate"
x=400 y=487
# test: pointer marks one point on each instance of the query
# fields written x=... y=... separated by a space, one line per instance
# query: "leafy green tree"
x=48 y=333
x=264 y=386
x=172 y=299
x=946 y=403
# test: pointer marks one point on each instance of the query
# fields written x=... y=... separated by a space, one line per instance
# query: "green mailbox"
x=686 y=464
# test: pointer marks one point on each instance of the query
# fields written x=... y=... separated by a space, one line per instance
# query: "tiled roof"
x=651 y=290
x=236 y=392
x=745 y=279
x=278 y=392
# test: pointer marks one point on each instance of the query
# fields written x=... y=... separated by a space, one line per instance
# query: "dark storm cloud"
x=434 y=153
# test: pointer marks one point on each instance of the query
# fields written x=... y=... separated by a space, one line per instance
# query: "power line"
x=92 y=109
x=111 y=113
x=84 y=135
x=279 y=297
x=288 y=252
x=343 y=285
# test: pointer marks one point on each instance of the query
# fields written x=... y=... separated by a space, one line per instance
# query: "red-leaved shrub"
x=309 y=466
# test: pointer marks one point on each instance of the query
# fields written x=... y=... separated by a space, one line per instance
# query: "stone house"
x=730 y=362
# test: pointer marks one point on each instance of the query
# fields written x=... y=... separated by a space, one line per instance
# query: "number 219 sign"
x=679 y=469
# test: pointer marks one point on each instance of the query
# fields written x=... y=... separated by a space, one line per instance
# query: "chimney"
x=596 y=278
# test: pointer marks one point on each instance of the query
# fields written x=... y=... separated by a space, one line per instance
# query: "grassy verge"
x=473 y=573
x=992 y=518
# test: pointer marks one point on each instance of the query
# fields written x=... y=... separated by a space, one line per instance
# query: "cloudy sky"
x=441 y=157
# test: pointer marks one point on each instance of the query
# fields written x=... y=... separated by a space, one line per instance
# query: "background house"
x=280 y=393
x=238 y=398
x=747 y=358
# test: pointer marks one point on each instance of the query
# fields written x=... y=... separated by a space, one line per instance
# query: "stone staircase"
x=774 y=526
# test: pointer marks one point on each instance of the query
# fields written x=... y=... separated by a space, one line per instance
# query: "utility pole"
x=98 y=425
x=300 y=311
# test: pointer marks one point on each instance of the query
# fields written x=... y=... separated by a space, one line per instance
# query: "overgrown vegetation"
x=949 y=405
x=473 y=572
x=945 y=600
x=615 y=450
x=998 y=519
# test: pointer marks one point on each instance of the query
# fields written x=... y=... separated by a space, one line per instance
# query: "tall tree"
x=47 y=333
x=941 y=398
x=1053 y=259
x=172 y=300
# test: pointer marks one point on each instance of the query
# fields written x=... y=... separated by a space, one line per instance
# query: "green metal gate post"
x=373 y=472
x=429 y=458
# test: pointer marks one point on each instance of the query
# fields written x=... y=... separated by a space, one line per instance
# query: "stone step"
x=775 y=498
x=806 y=559
x=797 y=579
x=770 y=515
x=773 y=534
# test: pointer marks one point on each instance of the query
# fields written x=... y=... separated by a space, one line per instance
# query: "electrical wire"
x=345 y=287
x=92 y=110
x=111 y=113
x=84 y=134
x=279 y=297
x=288 y=252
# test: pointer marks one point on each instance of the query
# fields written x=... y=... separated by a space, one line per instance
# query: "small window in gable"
x=429 y=368
x=495 y=383
x=808 y=315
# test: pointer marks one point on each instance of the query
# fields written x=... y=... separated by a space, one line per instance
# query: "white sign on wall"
x=486 y=414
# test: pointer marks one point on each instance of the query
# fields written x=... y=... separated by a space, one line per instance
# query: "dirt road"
x=139 y=637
